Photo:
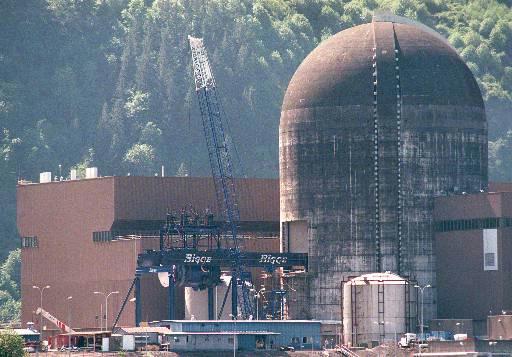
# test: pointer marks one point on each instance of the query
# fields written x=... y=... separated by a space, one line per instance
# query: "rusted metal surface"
x=64 y=215
x=377 y=121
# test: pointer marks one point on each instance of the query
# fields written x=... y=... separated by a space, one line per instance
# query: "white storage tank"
x=45 y=177
x=375 y=308
x=91 y=172
x=196 y=301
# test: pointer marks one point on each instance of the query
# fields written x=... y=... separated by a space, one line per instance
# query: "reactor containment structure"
x=377 y=121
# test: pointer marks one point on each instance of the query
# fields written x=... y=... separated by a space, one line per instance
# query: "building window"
x=489 y=259
x=103 y=236
x=304 y=340
x=295 y=340
x=29 y=242
x=469 y=224
x=230 y=339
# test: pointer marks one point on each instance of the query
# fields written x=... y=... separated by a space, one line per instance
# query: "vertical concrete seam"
x=376 y=154
x=399 y=151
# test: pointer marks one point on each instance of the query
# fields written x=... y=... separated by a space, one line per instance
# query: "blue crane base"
x=189 y=267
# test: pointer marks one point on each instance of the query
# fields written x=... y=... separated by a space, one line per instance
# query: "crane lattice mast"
x=182 y=263
x=218 y=151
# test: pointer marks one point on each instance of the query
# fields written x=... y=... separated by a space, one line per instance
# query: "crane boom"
x=218 y=151
x=54 y=320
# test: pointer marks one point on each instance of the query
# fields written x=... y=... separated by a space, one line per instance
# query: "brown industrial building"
x=82 y=236
x=472 y=247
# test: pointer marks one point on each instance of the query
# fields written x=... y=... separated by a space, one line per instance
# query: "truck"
x=408 y=340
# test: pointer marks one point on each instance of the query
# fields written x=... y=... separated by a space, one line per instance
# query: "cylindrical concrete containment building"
x=377 y=121
x=375 y=308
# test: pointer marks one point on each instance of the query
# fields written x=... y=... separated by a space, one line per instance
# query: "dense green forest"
x=109 y=82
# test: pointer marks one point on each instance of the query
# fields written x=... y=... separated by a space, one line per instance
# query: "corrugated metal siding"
x=459 y=257
x=63 y=215
x=139 y=198
x=287 y=330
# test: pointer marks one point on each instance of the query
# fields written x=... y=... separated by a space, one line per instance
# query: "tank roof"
x=378 y=278
x=340 y=70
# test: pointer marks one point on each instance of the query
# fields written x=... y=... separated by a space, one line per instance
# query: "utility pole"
x=106 y=304
x=421 y=289
x=41 y=290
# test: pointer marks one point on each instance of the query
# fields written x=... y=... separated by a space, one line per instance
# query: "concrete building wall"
x=64 y=216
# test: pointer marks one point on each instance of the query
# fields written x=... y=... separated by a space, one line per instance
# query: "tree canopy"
x=109 y=83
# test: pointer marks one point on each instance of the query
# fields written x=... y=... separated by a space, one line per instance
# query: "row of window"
x=29 y=242
x=103 y=236
x=469 y=224
x=489 y=260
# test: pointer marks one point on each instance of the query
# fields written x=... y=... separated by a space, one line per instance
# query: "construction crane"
x=220 y=158
x=54 y=320
x=194 y=249
x=218 y=150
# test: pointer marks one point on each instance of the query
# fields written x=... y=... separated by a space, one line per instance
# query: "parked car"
x=287 y=348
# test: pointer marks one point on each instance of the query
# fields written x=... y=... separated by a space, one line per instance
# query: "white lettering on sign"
x=192 y=258
x=273 y=259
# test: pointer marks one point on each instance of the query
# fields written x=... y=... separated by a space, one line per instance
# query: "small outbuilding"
x=246 y=335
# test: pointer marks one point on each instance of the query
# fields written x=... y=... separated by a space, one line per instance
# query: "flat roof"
x=84 y=333
x=145 y=329
x=239 y=321
x=230 y=333
x=22 y=331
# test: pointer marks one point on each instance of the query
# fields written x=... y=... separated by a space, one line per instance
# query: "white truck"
x=408 y=340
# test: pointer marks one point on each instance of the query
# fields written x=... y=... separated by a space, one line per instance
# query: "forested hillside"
x=109 y=82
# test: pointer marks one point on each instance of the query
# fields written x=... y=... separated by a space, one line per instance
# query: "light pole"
x=106 y=304
x=41 y=290
x=234 y=333
x=422 y=289
x=69 y=320
x=257 y=295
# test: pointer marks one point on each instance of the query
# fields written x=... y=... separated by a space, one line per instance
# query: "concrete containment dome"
x=376 y=121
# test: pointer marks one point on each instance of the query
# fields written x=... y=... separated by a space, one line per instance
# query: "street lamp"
x=257 y=295
x=421 y=289
x=69 y=321
x=106 y=304
x=41 y=290
x=234 y=332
